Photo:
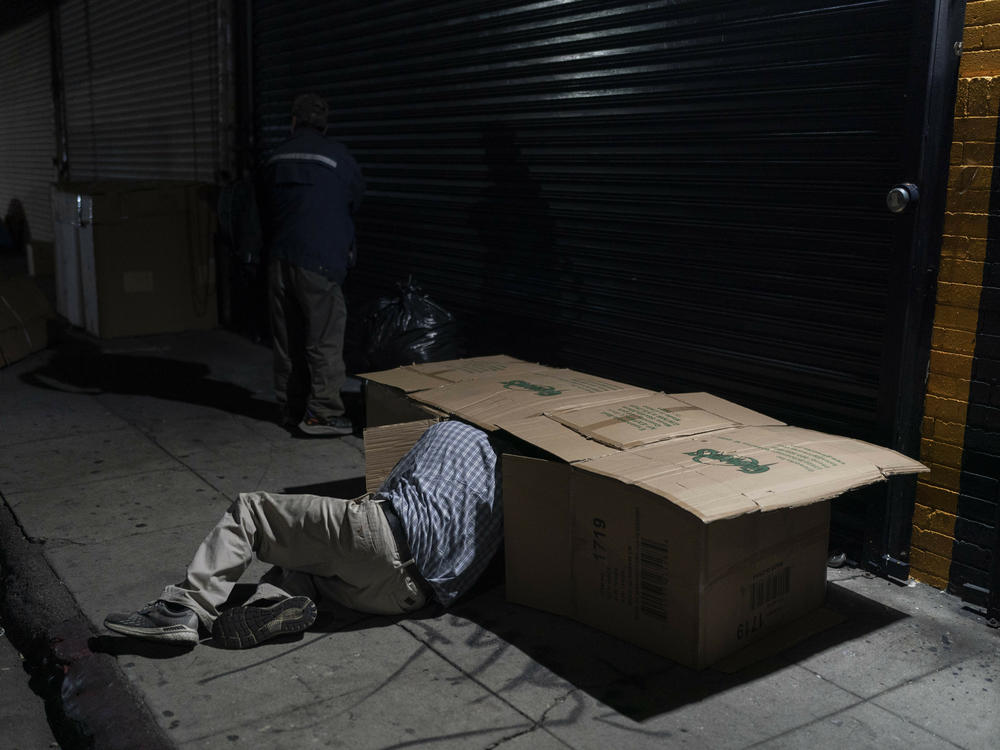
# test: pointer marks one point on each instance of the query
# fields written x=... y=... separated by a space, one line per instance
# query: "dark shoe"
x=288 y=416
x=246 y=626
x=312 y=424
x=159 y=621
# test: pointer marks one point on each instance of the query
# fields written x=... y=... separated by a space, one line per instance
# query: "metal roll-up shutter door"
x=683 y=195
x=27 y=128
x=141 y=89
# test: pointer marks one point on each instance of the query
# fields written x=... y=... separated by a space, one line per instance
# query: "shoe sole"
x=324 y=429
x=243 y=627
x=168 y=634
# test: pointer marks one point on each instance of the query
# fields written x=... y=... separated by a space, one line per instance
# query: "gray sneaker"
x=158 y=621
x=313 y=424
x=250 y=624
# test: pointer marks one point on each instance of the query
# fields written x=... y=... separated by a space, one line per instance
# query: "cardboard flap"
x=425 y=375
x=727 y=409
x=524 y=393
x=459 y=370
x=727 y=473
x=627 y=424
x=407 y=379
x=385 y=445
x=555 y=438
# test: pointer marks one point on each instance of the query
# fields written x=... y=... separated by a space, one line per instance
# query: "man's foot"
x=289 y=417
x=246 y=626
x=159 y=621
x=313 y=424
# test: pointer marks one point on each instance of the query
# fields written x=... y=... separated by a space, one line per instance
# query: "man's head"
x=309 y=110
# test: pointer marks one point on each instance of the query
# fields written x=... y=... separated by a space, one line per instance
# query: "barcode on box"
x=770 y=585
x=653 y=577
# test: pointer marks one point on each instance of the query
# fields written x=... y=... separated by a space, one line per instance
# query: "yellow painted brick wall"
x=963 y=250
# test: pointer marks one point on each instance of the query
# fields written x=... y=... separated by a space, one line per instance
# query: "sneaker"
x=312 y=424
x=158 y=621
x=246 y=626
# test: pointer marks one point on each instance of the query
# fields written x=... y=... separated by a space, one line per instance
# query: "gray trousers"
x=321 y=547
x=308 y=320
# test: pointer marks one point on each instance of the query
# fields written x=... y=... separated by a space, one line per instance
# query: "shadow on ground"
x=81 y=366
x=483 y=631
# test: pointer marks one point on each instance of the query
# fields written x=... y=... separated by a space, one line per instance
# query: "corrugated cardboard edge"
x=386 y=444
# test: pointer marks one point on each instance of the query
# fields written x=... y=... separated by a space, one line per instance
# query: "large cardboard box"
x=683 y=523
x=134 y=258
x=24 y=316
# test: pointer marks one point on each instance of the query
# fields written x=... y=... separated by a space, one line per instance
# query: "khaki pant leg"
x=347 y=543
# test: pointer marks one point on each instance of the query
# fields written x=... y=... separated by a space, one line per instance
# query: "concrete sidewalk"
x=117 y=457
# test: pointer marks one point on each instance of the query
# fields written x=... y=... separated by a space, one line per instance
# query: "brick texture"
x=953 y=379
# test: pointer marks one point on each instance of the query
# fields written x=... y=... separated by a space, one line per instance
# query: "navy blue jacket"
x=310 y=188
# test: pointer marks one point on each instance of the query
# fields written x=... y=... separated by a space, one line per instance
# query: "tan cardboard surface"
x=459 y=370
x=780 y=639
x=524 y=393
x=555 y=438
x=683 y=523
x=649 y=419
x=406 y=379
x=418 y=377
x=636 y=565
x=385 y=445
x=726 y=409
x=760 y=571
x=742 y=470
x=538 y=518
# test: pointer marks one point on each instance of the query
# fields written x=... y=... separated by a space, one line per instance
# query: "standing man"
x=310 y=189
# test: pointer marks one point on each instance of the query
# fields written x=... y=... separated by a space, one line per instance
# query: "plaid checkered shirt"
x=446 y=491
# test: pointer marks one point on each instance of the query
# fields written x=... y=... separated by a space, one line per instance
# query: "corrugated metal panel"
x=683 y=194
x=27 y=128
x=141 y=84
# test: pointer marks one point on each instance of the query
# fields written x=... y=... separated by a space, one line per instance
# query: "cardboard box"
x=24 y=315
x=134 y=258
x=683 y=523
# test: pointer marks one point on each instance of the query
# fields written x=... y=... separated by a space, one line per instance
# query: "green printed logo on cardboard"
x=541 y=390
x=746 y=464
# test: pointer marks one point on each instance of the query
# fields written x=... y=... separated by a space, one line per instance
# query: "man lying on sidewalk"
x=425 y=535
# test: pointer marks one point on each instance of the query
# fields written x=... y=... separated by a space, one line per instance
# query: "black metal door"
x=686 y=195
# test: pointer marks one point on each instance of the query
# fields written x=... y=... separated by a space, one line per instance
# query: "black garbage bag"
x=402 y=329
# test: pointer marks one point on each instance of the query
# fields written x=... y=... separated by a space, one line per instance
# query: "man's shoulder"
x=313 y=142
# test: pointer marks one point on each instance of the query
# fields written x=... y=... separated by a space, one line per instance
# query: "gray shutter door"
x=686 y=195
x=27 y=128
x=141 y=82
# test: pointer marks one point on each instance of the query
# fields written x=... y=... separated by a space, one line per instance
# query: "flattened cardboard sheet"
x=405 y=379
x=556 y=439
x=520 y=394
x=459 y=370
x=727 y=409
x=649 y=419
x=419 y=377
x=745 y=469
